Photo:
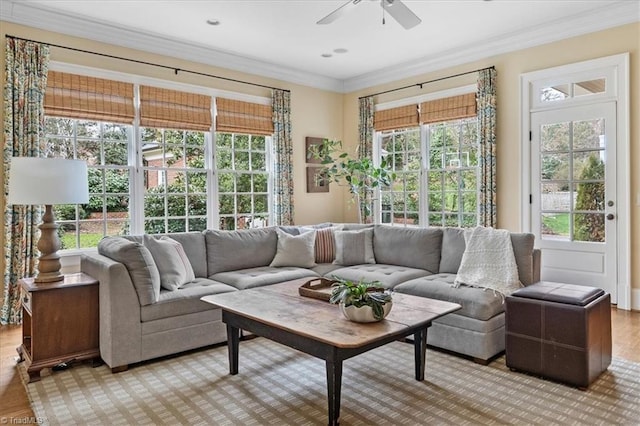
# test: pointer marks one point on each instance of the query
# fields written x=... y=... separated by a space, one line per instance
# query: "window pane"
x=554 y=166
x=555 y=196
x=226 y=204
x=588 y=165
x=589 y=227
x=260 y=183
x=197 y=205
x=226 y=182
x=555 y=137
x=555 y=93
x=590 y=197
x=197 y=224
x=588 y=134
x=589 y=87
x=223 y=160
x=555 y=226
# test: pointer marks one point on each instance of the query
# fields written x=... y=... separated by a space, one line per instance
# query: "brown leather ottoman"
x=559 y=331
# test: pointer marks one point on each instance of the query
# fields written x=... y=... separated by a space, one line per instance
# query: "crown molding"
x=616 y=14
x=35 y=15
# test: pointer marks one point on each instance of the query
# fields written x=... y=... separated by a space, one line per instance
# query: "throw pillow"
x=295 y=250
x=172 y=262
x=326 y=245
x=139 y=263
x=354 y=247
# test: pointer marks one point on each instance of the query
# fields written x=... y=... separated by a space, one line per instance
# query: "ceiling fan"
x=396 y=8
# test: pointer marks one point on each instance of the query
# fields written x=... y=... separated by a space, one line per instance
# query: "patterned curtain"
x=365 y=150
x=487 y=120
x=283 y=149
x=26 y=70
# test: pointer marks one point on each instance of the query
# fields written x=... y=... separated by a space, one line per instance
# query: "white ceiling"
x=280 y=38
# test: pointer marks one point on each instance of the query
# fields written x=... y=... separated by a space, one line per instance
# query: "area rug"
x=277 y=385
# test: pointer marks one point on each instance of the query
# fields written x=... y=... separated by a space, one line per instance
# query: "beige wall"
x=326 y=114
x=509 y=68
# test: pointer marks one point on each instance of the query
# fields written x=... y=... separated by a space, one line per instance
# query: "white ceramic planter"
x=363 y=313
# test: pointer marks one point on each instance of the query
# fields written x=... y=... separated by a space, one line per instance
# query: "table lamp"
x=48 y=181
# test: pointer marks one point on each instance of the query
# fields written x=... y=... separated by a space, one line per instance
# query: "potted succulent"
x=361 y=301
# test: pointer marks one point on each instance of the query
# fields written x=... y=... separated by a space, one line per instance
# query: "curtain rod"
x=176 y=70
x=427 y=82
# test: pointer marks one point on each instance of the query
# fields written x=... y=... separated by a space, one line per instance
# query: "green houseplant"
x=361 y=301
x=362 y=176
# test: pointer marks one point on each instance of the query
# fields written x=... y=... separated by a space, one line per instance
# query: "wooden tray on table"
x=317 y=288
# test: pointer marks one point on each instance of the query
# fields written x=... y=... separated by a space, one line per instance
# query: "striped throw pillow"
x=325 y=245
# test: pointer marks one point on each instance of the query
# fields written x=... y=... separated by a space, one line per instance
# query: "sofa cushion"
x=476 y=302
x=241 y=249
x=171 y=260
x=523 y=252
x=185 y=300
x=388 y=275
x=193 y=245
x=295 y=250
x=139 y=263
x=264 y=275
x=354 y=247
x=453 y=246
x=412 y=247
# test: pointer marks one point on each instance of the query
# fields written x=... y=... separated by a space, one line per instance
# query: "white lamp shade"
x=36 y=181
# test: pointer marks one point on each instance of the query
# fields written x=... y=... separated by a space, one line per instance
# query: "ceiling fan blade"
x=338 y=12
x=401 y=13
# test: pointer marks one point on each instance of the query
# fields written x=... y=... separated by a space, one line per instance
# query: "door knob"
x=611 y=216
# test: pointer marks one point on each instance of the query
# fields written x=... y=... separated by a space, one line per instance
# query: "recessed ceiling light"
x=213 y=22
x=340 y=50
x=326 y=55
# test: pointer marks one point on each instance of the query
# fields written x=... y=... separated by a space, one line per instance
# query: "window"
x=243 y=181
x=436 y=162
x=105 y=148
x=165 y=180
x=401 y=201
x=452 y=173
x=175 y=180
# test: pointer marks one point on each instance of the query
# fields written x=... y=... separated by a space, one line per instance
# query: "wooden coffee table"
x=318 y=328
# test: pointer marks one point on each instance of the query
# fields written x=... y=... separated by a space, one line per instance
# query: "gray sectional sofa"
x=150 y=286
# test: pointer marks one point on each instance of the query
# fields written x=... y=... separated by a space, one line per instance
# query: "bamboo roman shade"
x=446 y=109
x=396 y=118
x=243 y=117
x=172 y=109
x=88 y=98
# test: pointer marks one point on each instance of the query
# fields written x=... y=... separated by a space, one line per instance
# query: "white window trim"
x=618 y=71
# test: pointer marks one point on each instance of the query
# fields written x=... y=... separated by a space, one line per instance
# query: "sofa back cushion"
x=523 y=252
x=453 y=246
x=410 y=247
x=139 y=263
x=241 y=249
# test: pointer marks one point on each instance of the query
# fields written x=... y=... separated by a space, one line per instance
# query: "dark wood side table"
x=60 y=322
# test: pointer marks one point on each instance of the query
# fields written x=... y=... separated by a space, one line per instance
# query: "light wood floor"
x=15 y=404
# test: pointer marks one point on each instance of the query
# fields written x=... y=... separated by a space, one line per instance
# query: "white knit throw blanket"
x=488 y=261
